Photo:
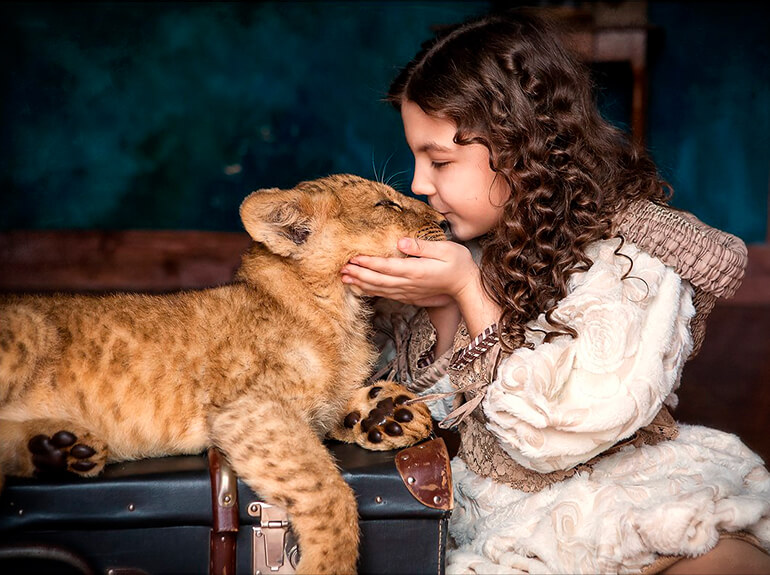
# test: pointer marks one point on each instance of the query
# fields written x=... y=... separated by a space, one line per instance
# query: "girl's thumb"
x=409 y=246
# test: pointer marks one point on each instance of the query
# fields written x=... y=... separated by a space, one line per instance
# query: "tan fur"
x=263 y=368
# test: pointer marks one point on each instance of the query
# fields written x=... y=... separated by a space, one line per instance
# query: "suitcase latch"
x=269 y=550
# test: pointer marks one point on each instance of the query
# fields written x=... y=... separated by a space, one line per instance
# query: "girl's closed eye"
x=439 y=165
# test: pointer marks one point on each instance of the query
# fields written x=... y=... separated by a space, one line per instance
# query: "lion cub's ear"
x=279 y=219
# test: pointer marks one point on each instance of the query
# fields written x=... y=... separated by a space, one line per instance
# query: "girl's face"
x=456 y=179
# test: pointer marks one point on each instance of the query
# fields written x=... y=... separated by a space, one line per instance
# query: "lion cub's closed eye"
x=263 y=368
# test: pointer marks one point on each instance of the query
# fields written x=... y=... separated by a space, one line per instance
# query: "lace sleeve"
x=405 y=338
x=562 y=402
x=424 y=367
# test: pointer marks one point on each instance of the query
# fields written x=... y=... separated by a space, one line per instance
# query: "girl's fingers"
x=375 y=283
x=380 y=265
x=396 y=267
x=369 y=275
x=423 y=248
x=411 y=247
x=428 y=275
x=373 y=289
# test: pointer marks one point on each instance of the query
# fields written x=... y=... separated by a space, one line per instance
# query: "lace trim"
x=482 y=343
x=413 y=338
x=481 y=452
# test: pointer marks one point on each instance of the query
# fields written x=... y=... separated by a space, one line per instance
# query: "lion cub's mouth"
x=433 y=233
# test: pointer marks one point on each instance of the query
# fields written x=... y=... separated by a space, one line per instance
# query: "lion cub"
x=263 y=368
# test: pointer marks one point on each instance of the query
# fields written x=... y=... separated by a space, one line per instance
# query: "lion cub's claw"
x=61 y=452
x=379 y=419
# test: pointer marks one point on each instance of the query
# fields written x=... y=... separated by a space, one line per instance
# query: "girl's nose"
x=421 y=185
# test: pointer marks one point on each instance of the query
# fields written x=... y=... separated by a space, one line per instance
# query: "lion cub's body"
x=141 y=372
x=262 y=368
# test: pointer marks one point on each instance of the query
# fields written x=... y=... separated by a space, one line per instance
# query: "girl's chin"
x=458 y=232
x=462 y=231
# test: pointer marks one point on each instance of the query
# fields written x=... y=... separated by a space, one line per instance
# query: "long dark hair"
x=507 y=82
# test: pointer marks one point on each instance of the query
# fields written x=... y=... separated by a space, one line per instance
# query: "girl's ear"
x=279 y=219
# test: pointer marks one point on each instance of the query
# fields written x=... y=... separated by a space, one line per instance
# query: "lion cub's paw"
x=65 y=451
x=378 y=418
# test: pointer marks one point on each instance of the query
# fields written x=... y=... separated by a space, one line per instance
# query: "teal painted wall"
x=165 y=115
x=710 y=110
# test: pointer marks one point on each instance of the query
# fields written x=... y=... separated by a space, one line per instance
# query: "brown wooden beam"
x=117 y=260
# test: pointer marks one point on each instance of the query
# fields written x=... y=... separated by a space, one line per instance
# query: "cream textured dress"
x=569 y=460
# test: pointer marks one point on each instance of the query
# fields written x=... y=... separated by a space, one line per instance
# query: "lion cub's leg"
x=377 y=418
x=49 y=446
x=273 y=449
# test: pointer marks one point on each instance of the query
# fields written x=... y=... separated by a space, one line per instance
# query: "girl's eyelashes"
x=389 y=204
x=439 y=165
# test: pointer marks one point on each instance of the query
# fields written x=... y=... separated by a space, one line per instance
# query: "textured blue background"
x=165 y=115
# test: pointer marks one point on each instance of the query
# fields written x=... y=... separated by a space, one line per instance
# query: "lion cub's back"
x=116 y=364
x=26 y=338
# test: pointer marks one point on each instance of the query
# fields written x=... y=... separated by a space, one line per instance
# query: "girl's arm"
x=565 y=400
x=445 y=320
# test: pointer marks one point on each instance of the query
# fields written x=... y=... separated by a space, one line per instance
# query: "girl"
x=560 y=318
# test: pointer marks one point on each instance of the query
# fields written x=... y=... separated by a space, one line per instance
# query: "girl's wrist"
x=477 y=308
x=445 y=320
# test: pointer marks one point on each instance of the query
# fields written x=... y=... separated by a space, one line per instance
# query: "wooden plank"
x=118 y=260
x=755 y=288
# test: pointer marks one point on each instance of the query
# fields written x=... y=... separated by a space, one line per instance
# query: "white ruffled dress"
x=563 y=402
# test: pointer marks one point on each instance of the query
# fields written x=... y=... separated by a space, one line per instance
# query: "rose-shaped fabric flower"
x=567 y=518
x=516 y=371
x=607 y=335
x=572 y=307
x=530 y=381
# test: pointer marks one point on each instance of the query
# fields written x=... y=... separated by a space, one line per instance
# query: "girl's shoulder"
x=710 y=259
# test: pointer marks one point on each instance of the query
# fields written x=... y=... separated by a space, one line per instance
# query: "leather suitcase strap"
x=224 y=505
x=426 y=472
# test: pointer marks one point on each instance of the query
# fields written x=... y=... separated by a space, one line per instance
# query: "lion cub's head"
x=321 y=224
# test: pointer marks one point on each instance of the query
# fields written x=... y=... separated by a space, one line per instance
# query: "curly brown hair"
x=507 y=82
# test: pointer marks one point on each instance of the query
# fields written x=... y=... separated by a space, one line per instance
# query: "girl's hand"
x=435 y=277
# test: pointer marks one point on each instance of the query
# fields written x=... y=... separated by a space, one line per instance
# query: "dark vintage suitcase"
x=190 y=514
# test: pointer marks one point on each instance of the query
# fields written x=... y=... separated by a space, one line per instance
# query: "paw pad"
x=351 y=419
x=386 y=417
x=53 y=454
x=380 y=418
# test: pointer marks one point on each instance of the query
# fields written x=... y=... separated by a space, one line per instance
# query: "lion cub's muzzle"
x=433 y=232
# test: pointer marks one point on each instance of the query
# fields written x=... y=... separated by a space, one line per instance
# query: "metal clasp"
x=269 y=552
